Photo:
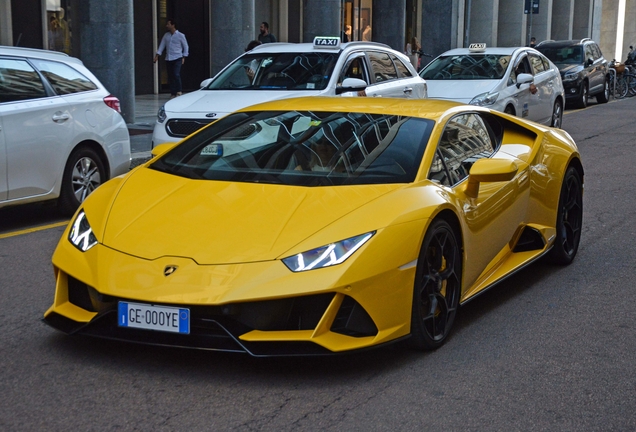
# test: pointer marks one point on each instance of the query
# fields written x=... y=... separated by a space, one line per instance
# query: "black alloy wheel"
x=557 y=114
x=84 y=172
x=569 y=219
x=603 y=96
x=437 y=287
x=583 y=95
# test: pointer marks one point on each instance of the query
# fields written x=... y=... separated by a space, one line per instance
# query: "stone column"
x=562 y=19
x=107 y=48
x=387 y=23
x=321 y=18
x=512 y=24
x=484 y=21
x=231 y=29
x=6 y=29
x=437 y=20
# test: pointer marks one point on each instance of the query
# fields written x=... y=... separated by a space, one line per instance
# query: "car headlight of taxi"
x=485 y=99
x=161 y=115
x=570 y=76
x=325 y=256
x=81 y=234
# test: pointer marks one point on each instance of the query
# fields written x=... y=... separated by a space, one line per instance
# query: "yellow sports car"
x=318 y=225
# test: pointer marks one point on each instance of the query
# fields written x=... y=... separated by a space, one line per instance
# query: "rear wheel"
x=569 y=219
x=437 y=287
x=603 y=97
x=84 y=172
x=557 y=114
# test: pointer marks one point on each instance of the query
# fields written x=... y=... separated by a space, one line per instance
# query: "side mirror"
x=589 y=62
x=160 y=149
x=524 y=78
x=489 y=170
x=351 y=85
x=205 y=83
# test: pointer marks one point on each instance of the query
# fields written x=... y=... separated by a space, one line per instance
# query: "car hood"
x=216 y=222
x=225 y=101
x=568 y=67
x=459 y=90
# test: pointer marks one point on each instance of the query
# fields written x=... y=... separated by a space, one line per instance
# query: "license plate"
x=150 y=317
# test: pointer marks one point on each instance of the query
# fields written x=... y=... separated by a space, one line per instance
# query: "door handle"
x=60 y=117
x=408 y=90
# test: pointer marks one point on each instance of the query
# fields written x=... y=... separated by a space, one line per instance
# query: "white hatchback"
x=280 y=70
x=519 y=81
x=61 y=134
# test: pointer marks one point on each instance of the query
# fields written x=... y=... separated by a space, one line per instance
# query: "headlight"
x=161 y=115
x=570 y=76
x=325 y=256
x=485 y=99
x=81 y=234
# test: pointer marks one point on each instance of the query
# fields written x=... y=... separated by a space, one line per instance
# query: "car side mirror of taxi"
x=489 y=170
x=160 y=149
x=205 y=83
x=351 y=85
x=524 y=78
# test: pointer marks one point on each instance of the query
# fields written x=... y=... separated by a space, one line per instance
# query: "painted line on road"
x=32 y=230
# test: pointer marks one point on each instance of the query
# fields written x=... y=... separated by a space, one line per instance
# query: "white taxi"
x=519 y=81
x=271 y=71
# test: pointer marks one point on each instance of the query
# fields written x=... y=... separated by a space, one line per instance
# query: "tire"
x=83 y=173
x=583 y=96
x=603 y=97
x=437 y=287
x=631 y=85
x=621 y=87
x=557 y=114
x=569 y=219
x=510 y=110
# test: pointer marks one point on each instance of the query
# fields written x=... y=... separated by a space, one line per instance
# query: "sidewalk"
x=146 y=107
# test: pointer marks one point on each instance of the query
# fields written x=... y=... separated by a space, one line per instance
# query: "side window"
x=596 y=51
x=19 y=81
x=382 y=67
x=404 y=71
x=522 y=66
x=355 y=67
x=588 y=53
x=465 y=139
x=537 y=64
x=546 y=63
x=64 y=79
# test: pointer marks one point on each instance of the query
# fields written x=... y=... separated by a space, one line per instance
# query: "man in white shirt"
x=176 y=46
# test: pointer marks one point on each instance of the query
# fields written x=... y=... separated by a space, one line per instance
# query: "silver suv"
x=61 y=133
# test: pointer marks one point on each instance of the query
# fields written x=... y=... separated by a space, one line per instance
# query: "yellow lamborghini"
x=317 y=226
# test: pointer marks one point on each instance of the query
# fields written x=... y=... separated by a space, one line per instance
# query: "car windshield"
x=276 y=71
x=567 y=54
x=467 y=67
x=303 y=149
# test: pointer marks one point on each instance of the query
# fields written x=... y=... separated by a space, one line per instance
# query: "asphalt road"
x=549 y=349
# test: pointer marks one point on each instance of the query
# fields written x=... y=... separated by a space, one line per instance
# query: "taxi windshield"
x=303 y=148
x=277 y=71
x=467 y=67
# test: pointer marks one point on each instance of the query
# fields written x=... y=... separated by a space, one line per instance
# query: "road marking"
x=31 y=230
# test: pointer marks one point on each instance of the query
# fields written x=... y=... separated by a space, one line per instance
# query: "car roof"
x=424 y=108
x=38 y=53
x=488 y=50
x=278 y=47
x=562 y=43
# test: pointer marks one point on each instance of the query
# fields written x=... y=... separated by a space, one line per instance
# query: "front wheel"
x=437 y=287
x=557 y=114
x=84 y=172
x=603 y=97
x=583 y=96
x=569 y=219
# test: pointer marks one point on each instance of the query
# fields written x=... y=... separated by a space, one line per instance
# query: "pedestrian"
x=533 y=42
x=176 y=46
x=265 y=36
x=412 y=50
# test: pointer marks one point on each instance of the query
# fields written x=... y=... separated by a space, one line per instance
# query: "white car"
x=61 y=134
x=519 y=81
x=280 y=70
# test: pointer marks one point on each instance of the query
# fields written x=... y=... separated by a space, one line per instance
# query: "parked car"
x=318 y=225
x=61 y=133
x=584 y=70
x=518 y=81
x=280 y=70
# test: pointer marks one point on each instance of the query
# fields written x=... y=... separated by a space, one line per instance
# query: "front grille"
x=180 y=128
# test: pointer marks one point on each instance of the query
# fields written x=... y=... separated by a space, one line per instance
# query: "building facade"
x=117 y=39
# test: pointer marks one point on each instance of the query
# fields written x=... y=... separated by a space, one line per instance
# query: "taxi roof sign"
x=477 y=47
x=326 y=42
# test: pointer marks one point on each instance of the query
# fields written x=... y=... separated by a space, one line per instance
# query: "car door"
x=544 y=82
x=527 y=103
x=494 y=214
x=37 y=130
x=384 y=76
x=413 y=86
x=599 y=67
